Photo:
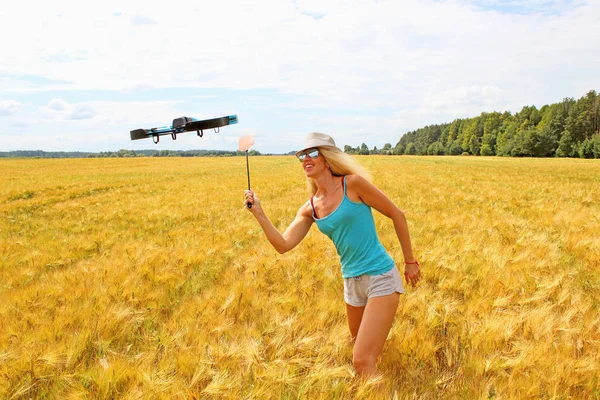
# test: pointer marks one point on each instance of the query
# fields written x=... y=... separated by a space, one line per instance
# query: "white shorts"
x=359 y=289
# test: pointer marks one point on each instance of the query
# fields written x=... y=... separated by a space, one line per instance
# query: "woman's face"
x=313 y=162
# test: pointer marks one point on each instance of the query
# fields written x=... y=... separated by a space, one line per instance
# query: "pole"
x=248 y=172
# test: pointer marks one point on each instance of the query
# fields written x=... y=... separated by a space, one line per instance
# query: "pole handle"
x=249 y=205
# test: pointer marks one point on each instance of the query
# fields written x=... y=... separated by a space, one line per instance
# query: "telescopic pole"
x=243 y=145
x=248 y=172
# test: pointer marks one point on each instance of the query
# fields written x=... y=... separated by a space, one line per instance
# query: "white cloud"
x=142 y=20
x=358 y=48
x=465 y=100
x=58 y=105
x=320 y=8
x=9 y=107
x=136 y=87
x=60 y=110
x=82 y=111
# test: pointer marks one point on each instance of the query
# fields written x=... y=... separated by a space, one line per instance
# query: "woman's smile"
x=308 y=166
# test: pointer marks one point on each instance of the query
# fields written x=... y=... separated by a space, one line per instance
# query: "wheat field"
x=145 y=278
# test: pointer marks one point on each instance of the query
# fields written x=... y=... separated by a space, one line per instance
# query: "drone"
x=183 y=124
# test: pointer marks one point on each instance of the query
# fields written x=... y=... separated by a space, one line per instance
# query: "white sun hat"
x=316 y=139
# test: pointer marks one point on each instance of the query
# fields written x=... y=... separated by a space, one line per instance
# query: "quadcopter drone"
x=183 y=124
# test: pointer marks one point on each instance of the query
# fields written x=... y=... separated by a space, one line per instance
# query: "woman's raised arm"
x=292 y=235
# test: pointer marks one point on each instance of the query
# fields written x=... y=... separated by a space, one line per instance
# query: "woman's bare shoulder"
x=354 y=178
x=355 y=185
x=305 y=210
x=355 y=182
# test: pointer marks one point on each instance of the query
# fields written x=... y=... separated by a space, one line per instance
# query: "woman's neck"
x=326 y=184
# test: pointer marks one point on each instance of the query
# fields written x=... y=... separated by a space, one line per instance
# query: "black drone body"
x=183 y=124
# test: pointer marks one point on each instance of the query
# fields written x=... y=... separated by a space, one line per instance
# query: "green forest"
x=570 y=128
x=123 y=153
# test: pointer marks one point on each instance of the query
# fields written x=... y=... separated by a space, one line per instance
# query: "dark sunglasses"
x=311 y=153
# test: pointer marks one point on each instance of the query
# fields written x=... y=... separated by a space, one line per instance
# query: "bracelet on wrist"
x=414 y=263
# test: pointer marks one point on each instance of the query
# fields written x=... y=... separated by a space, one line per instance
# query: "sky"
x=78 y=75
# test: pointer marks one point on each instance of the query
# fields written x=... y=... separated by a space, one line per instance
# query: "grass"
x=146 y=278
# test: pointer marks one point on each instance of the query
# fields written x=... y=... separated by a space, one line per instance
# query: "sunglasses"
x=312 y=153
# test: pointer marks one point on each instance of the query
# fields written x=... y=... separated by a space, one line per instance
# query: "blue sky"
x=78 y=76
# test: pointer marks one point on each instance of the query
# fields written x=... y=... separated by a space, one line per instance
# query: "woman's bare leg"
x=355 y=315
x=373 y=331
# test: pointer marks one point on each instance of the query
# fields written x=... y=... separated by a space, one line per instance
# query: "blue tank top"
x=351 y=228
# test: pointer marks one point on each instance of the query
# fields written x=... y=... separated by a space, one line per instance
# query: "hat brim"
x=328 y=146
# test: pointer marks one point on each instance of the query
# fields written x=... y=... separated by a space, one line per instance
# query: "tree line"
x=172 y=153
x=363 y=150
x=124 y=153
x=570 y=128
x=43 y=154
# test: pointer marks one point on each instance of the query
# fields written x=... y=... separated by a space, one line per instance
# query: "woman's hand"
x=251 y=198
x=412 y=273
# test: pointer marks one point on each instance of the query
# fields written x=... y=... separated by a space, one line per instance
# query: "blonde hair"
x=340 y=164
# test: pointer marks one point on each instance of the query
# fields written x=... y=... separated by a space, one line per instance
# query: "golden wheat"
x=146 y=278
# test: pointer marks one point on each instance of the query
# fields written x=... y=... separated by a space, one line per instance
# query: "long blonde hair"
x=340 y=164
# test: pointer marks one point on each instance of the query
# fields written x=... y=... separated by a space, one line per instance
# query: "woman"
x=341 y=207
